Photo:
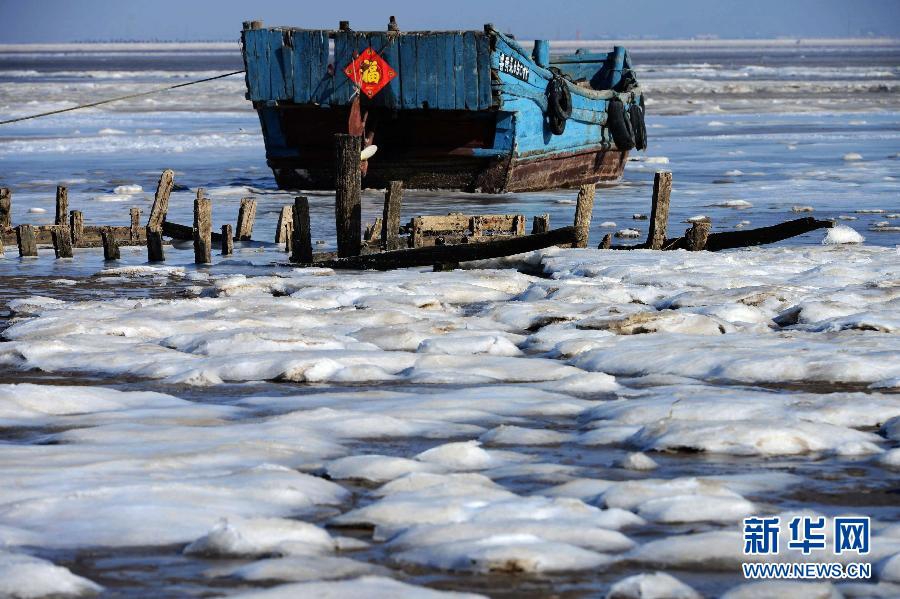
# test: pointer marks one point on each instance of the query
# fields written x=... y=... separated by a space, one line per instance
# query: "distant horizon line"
x=567 y=41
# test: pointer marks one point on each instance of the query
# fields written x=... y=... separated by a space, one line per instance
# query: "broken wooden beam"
x=184 y=232
x=347 y=194
x=659 y=212
x=727 y=240
x=110 y=245
x=62 y=205
x=161 y=199
x=246 y=216
x=227 y=241
x=155 y=251
x=696 y=236
x=390 y=217
x=26 y=242
x=301 y=236
x=285 y=217
x=76 y=227
x=442 y=254
x=540 y=224
x=62 y=241
x=765 y=235
x=202 y=231
x=5 y=208
x=583 y=210
x=135 y=225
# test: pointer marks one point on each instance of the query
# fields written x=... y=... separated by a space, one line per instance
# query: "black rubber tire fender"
x=637 y=125
x=619 y=125
x=559 y=104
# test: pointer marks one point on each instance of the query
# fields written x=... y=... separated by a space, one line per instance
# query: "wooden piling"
x=76 y=227
x=25 y=239
x=161 y=200
x=606 y=243
x=301 y=242
x=285 y=218
x=62 y=241
x=110 y=245
x=201 y=193
x=583 y=211
x=155 y=245
x=135 y=224
x=697 y=235
x=390 y=216
x=540 y=224
x=659 y=214
x=347 y=195
x=202 y=231
x=62 y=205
x=5 y=207
x=246 y=216
x=227 y=240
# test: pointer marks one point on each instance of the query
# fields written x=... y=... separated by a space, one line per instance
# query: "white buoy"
x=368 y=152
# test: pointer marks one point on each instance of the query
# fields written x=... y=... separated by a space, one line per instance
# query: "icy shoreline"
x=458 y=401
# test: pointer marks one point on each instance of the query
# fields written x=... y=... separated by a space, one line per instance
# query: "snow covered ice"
x=592 y=420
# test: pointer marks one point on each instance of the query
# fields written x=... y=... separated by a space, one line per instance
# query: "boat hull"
x=463 y=110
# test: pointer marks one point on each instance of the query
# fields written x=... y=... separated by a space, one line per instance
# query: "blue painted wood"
x=615 y=74
x=409 y=98
x=470 y=70
x=541 y=53
x=459 y=71
x=447 y=78
x=280 y=70
x=483 y=50
x=343 y=88
x=321 y=81
x=258 y=63
x=388 y=46
x=302 y=58
x=426 y=75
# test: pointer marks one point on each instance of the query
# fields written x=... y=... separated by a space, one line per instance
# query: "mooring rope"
x=128 y=97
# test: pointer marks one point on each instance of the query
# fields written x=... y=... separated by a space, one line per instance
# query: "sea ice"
x=842 y=234
x=657 y=585
x=26 y=577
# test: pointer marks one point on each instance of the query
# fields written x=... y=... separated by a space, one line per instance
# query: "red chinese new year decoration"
x=370 y=72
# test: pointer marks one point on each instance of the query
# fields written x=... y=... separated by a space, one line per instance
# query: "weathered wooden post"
x=227 y=240
x=155 y=245
x=161 y=200
x=5 y=207
x=62 y=241
x=390 y=216
x=583 y=210
x=110 y=244
x=540 y=224
x=27 y=242
x=392 y=24
x=62 y=205
x=697 y=235
x=76 y=227
x=201 y=193
x=202 y=231
x=135 y=232
x=659 y=213
x=606 y=243
x=246 y=216
x=301 y=242
x=285 y=218
x=347 y=192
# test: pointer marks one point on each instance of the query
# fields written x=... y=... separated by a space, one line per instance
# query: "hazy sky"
x=94 y=20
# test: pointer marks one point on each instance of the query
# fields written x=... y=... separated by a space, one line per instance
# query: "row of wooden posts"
x=381 y=249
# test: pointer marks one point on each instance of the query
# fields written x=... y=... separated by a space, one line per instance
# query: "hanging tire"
x=619 y=125
x=637 y=125
x=559 y=104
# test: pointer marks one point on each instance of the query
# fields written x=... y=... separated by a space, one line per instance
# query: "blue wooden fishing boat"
x=469 y=110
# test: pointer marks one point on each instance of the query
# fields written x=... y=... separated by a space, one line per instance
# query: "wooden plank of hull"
x=567 y=170
x=469 y=173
